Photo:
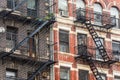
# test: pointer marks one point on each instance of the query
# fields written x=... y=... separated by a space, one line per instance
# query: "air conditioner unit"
x=64 y=13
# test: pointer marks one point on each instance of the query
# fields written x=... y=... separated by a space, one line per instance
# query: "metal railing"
x=100 y=19
x=37 y=50
x=23 y=10
x=93 y=51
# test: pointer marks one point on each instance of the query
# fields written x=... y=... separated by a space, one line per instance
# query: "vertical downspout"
x=51 y=43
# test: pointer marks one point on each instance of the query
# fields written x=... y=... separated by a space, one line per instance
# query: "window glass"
x=62 y=4
x=64 y=74
x=97 y=14
x=11 y=3
x=98 y=56
x=114 y=12
x=11 y=74
x=103 y=76
x=80 y=4
x=31 y=4
x=83 y=75
x=64 y=41
x=116 y=50
x=117 y=78
x=11 y=36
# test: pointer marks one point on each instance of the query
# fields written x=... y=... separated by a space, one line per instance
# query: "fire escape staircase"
x=39 y=25
x=84 y=54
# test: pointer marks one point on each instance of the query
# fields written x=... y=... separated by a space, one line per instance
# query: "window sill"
x=66 y=53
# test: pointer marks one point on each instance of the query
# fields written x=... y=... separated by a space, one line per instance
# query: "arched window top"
x=97 y=8
x=80 y=4
x=114 y=12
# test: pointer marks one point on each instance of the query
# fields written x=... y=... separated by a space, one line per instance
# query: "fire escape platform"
x=24 y=59
x=16 y=15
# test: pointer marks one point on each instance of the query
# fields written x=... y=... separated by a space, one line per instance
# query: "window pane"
x=97 y=14
x=117 y=78
x=80 y=4
x=63 y=5
x=64 y=74
x=10 y=75
x=116 y=50
x=98 y=56
x=64 y=41
x=82 y=39
x=31 y=4
x=11 y=3
x=83 y=75
x=115 y=12
x=103 y=76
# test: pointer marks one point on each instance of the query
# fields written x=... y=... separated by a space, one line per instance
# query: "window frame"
x=117 y=16
x=11 y=35
x=85 y=73
x=64 y=43
x=98 y=14
x=12 y=71
x=11 y=4
x=68 y=72
x=63 y=12
x=98 y=56
x=115 y=76
x=116 y=54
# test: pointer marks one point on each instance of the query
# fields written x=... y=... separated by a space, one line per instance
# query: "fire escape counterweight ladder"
x=98 y=42
x=93 y=68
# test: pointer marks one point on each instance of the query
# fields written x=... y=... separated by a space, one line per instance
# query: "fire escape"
x=38 y=24
x=89 y=19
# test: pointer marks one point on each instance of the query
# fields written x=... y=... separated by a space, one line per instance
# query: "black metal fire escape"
x=85 y=17
x=40 y=24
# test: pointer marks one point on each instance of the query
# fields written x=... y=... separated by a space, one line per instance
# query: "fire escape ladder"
x=40 y=69
x=98 y=42
x=85 y=55
x=93 y=68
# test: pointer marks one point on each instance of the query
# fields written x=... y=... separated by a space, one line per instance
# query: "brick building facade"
x=74 y=33
x=65 y=41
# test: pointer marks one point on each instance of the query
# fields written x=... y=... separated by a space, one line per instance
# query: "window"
x=11 y=74
x=80 y=4
x=63 y=7
x=64 y=41
x=97 y=14
x=64 y=73
x=98 y=56
x=32 y=8
x=116 y=77
x=11 y=36
x=115 y=12
x=82 y=43
x=33 y=45
x=103 y=76
x=83 y=75
x=82 y=39
x=11 y=3
x=116 y=50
